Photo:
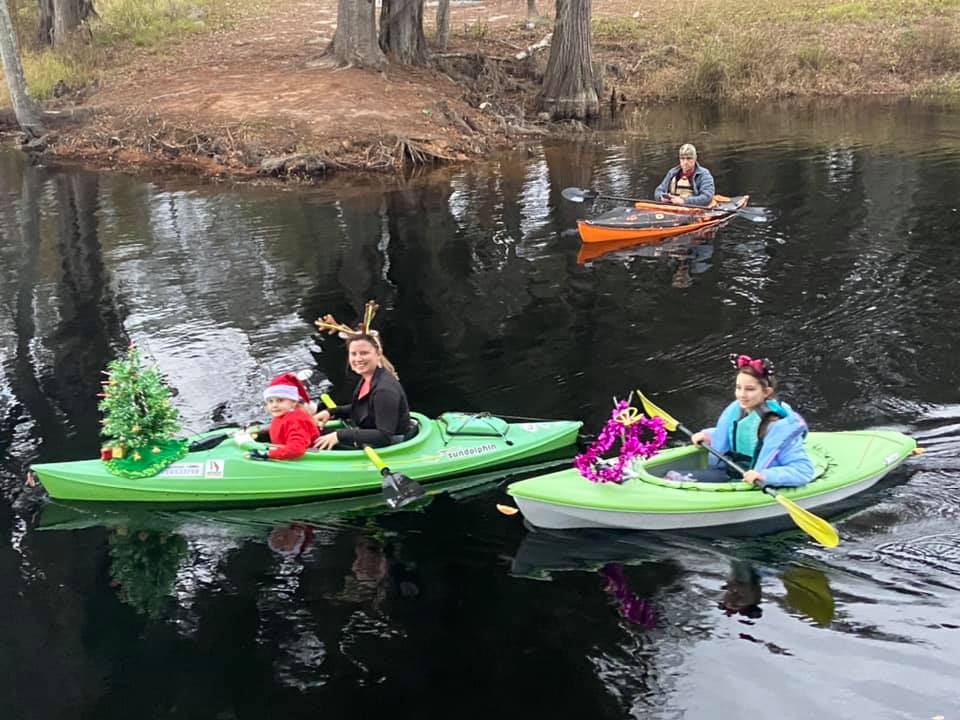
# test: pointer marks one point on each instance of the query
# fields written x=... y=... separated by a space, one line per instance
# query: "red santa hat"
x=287 y=386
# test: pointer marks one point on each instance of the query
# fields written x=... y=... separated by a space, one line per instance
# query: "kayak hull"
x=452 y=445
x=651 y=221
x=848 y=463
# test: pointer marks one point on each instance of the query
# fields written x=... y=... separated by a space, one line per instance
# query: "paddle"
x=398 y=489
x=816 y=527
x=754 y=214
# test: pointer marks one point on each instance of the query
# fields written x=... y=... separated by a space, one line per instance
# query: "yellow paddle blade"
x=816 y=527
x=653 y=411
x=327 y=401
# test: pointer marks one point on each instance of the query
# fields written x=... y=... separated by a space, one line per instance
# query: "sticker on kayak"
x=183 y=470
x=532 y=427
x=214 y=468
x=453 y=453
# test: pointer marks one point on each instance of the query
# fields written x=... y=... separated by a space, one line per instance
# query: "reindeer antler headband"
x=328 y=323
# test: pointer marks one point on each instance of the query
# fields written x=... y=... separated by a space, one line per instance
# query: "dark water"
x=487 y=304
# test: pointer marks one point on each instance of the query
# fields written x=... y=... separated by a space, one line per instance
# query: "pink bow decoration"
x=761 y=366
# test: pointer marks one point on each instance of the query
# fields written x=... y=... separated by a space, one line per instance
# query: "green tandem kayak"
x=846 y=463
x=452 y=445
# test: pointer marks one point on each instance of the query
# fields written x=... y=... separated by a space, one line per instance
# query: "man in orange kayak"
x=689 y=183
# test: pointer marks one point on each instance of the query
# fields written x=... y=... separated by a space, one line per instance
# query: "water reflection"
x=687 y=255
x=485 y=306
x=143 y=568
x=742 y=594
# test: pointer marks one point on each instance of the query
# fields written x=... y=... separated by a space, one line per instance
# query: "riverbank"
x=246 y=92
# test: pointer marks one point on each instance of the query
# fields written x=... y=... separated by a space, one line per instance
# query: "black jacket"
x=378 y=417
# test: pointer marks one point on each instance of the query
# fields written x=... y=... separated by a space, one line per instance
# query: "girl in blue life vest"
x=762 y=436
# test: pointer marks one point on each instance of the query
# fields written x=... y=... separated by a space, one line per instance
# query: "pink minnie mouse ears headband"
x=762 y=366
x=328 y=323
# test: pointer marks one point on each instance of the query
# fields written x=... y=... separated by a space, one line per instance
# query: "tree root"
x=400 y=153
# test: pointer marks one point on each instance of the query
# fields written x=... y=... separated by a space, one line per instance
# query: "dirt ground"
x=260 y=100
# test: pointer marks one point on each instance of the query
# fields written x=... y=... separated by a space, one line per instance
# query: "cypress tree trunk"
x=58 y=18
x=25 y=110
x=443 y=23
x=355 y=39
x=401 y=31
x=569 y=89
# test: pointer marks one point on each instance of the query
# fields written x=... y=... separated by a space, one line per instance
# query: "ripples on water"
x=488 y=301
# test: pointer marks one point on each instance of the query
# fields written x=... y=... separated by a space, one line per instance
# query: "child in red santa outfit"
x=292 y=427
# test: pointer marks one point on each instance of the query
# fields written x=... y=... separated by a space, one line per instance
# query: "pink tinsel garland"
x=629 y=426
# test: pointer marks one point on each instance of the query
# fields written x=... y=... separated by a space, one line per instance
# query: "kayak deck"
x=649 y=221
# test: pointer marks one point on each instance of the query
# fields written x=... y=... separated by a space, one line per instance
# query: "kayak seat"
x=410 y=434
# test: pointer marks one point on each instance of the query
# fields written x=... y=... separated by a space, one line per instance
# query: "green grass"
x=46 y=70
x=620 y=29
x=723 y=50
x=122 y=26
x=931 y=45
x=145 y=23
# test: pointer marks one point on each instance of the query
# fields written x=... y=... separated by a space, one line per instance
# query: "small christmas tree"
x=139 y=418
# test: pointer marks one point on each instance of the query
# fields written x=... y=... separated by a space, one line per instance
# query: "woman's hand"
x=322 y=418
x=700 y=438
x=326 y=442
x=753 y=477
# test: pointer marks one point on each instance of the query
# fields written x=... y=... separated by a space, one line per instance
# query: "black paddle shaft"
x=686 y=431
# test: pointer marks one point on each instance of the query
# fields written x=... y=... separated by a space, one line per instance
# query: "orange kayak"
x=649 y=221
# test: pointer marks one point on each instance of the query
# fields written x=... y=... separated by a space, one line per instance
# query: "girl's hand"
x=753 y=477
x=326 y=442
x=322 y=418
x=700 y=438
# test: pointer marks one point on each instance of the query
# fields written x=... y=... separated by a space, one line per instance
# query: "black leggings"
x=712 y=475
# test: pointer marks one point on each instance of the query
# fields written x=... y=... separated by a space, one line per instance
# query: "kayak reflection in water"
x=635 y=609
x=742 y=592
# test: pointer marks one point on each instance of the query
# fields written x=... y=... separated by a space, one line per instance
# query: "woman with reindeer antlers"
x=378 y=414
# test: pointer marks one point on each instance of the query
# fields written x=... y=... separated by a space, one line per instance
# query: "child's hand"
x=753 y=477
x=257 y=455
x=700 y=438
x=322 y=418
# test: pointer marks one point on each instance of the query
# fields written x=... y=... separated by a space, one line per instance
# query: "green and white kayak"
x=452 y=445
x=846 y=463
